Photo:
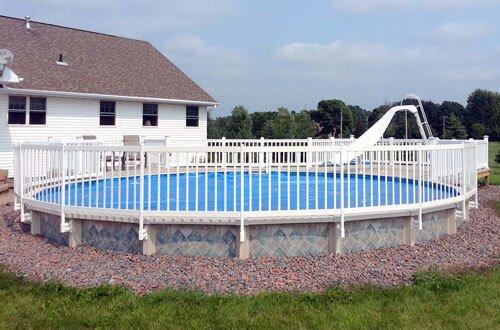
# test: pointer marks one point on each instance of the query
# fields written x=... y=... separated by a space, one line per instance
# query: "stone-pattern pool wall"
x=434 y=225
x=288 y=239
x=372 y=234
x=280 y=240
x=112 y=236
x=196 y=240
x=49 y=226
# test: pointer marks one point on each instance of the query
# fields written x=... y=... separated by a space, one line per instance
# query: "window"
x=38 y=110
x=150 y=114
x=17 y=110
x=107 y=113
x=192 y=116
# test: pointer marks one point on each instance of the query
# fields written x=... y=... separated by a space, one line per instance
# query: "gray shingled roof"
x=97 y=63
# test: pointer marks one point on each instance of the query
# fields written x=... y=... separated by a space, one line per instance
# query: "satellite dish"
x=6 y=74
x=6 y=56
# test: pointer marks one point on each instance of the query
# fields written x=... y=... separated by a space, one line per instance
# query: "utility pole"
x=444 y=125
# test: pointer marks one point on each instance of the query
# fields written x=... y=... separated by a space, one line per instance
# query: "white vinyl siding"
x=68 y=118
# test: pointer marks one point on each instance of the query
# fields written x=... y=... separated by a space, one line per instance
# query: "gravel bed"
x=475 y=246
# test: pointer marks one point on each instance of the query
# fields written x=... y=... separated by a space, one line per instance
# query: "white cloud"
x=456 y=32
x=358 y=61
x=365 y=6
x=206 y=59
x=339 y=56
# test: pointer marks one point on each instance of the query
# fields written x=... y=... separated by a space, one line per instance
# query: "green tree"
x=328 y=116
x=239 y=124
x=454 y=129
x=259 y=120
x=283 y=126
x=483 y=107
x=216 y=127
x=305 y=125
x=477 y=131
x=360 y=119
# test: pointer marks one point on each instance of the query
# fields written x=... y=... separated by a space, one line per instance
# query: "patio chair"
x=109 y=158
x=132 y=140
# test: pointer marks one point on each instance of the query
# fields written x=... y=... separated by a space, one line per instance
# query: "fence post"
x=261 y=154
x=342 y=228
x=21 y=182
x=486 y=139
x=420 y=188
x=224 y=154
x=309 y=154
x=62 y=172
x=243 y=249
x=391 y=153
x=142 y=232
x=464 y=183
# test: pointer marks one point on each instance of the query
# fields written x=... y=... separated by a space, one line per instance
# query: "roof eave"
x=22 y=91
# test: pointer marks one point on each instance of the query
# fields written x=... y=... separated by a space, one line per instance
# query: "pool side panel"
x=289 y=239
x=113 y=236
x=48 y=226
x=434 y=225
x=373 y=234
x=197 y=240
x=276 y=240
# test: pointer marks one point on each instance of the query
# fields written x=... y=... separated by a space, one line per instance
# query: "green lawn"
x=495 y=167
x=434 y=301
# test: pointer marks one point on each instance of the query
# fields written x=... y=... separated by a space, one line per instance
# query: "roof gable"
x=97 y=63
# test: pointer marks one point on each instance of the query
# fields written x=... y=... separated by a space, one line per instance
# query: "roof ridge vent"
x=27 y=21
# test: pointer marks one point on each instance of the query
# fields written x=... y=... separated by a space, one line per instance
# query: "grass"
x=495 y=167
x=434 y=301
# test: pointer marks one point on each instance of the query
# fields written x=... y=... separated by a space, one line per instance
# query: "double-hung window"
x=17 y=109
x=192 y=116
x=150 y=114
x=107 y=113
x=38 y=110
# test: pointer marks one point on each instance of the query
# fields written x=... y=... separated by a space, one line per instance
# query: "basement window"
x=17 y=110
x=149 y=114
x=107 y=113
x=192 y=116
x=38 y=110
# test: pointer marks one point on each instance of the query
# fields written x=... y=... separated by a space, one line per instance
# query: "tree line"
x=449 y=119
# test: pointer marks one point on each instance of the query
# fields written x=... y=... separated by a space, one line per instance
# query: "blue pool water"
x=216 y=192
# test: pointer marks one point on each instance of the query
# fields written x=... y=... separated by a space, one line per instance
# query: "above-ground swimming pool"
x=264 y=191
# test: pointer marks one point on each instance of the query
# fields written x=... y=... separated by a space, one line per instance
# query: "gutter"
x=20 y=91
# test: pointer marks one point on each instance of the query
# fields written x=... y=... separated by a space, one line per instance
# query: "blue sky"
x=266 y=54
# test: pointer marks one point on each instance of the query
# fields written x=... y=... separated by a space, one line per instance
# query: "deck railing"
x=242 y=180
x=481 y=149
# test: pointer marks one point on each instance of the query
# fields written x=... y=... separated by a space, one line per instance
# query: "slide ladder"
x=421 y=110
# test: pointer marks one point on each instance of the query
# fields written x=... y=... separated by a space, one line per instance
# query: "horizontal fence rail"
x=244 y=178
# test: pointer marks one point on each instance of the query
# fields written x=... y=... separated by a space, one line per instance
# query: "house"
x=77 y=82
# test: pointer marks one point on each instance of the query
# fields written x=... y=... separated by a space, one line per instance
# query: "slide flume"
x=375 y=133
